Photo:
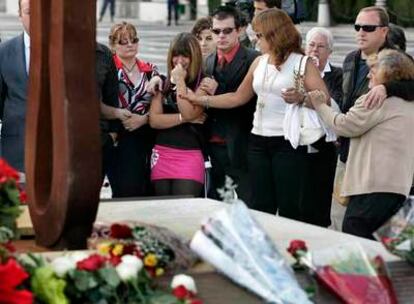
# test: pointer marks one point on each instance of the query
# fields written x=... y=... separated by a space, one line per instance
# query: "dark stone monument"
x=63 y=166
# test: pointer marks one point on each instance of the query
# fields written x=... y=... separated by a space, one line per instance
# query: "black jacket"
x=333 y=81
x=233 y=125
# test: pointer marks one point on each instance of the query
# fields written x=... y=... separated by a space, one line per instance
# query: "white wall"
x=12 y=7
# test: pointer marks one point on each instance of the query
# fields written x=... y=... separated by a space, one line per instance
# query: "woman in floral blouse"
x=129 y=173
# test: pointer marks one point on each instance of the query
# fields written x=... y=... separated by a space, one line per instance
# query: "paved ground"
x=155 y=37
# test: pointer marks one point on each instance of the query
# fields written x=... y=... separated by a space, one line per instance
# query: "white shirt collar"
x=26 y=38
x=326 y=69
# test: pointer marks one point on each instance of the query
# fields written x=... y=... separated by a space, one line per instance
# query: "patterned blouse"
x=135 y=97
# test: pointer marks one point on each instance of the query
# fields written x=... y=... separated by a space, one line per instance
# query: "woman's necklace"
x=130 y=70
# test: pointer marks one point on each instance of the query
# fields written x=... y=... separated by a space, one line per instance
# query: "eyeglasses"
x=259 y=35
x=317 y=46
x=367 y=28
x=125 y=42
x=225 y=31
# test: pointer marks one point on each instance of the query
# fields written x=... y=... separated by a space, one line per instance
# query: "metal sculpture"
x=63 y=166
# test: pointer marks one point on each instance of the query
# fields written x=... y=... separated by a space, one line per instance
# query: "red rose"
x=22 y=196
x=9 y=247
x=11 y=276
x=119 y=231
x=180 y=292
x=92 y=263
x=295 y=246
x=196 y=301
x=115 y=260
x=7 y=172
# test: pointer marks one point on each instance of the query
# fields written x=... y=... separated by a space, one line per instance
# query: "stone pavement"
x=156 y=36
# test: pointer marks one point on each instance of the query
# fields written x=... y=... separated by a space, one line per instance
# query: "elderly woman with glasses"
x=380 y=167
x=129 y=173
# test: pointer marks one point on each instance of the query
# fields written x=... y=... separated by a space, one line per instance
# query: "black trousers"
x=172 y=7
x=367 y=212
x=105 y=4
x=290 y=181
x=223 y=165
x=129 y=173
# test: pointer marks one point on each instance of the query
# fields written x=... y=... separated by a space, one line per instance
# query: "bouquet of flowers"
x=11 y=198
x=348 y=273
x=397 y=235
x=159 y=248
x=82 y=277
x=233 y=242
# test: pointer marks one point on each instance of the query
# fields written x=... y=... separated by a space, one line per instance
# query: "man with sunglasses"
x=228 y=129
x=371 y=27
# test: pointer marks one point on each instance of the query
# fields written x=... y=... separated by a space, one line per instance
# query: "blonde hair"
x=392 y=65
x=280 y=33
x=121 y=31
x=186 y=44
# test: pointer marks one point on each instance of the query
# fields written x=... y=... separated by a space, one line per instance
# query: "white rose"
x=129 y=267
x=62 y=265
x=184 y=280
x=132 y=261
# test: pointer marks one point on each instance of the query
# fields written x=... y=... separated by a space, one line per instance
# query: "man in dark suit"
x=14 y=68
x=229 y=128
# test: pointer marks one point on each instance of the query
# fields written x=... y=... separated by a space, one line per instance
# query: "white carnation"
x=62 y=265
x=184 y=280
x=129 y=267
x=132 y=261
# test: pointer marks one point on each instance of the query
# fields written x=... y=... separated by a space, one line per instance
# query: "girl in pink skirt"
x=177 y=163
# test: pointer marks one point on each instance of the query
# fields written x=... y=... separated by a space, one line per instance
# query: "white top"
x=26 y=39
x=268 y=82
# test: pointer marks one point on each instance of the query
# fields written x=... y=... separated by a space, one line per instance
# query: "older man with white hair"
x=319 y=46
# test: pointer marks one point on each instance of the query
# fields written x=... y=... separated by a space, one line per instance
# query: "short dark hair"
x=200 y=25
x=381 y=12
x=227 y=11
x=271 y=3
x=396 y=37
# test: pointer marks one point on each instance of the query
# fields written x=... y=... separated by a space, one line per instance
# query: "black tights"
x=165 y=187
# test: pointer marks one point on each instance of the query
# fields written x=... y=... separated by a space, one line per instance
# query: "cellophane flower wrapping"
x=233 y=242
x=348 y=272
x=397 y=235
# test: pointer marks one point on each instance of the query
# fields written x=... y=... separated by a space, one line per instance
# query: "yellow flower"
x=150 y=260
x=159 y=271
x=118 y=248
x=104 y=248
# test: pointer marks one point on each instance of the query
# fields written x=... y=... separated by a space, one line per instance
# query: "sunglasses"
x=125 y=42
x=367 y=28
x=225 y=31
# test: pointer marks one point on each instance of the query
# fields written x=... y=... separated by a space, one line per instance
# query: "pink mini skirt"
x=172 y=163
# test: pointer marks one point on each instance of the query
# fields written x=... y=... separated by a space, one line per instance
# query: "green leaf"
x=110 y=276
x=162 y=298
x=84 y=280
